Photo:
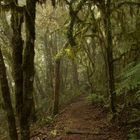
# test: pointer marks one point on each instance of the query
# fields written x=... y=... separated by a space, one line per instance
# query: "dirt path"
x=90 y=121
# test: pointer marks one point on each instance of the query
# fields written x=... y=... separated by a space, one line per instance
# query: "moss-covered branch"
x=73 y=15
x=7 y=7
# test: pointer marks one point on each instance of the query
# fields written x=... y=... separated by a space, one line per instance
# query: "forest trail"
x=87 y=121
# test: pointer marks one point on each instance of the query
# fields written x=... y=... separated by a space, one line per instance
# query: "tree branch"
x=128 y=3
x=70 y=132
x=7 y=7
x=123 y=54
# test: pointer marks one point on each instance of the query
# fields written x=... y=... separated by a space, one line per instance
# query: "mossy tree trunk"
x=17 y=46
x=75 y=75
x=7 y=100
x=28 y=69
x=109 y=52
x=56 y=87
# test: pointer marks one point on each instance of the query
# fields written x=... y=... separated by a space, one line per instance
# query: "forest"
x=69 y=69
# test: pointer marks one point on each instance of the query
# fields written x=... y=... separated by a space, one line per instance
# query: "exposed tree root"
x=79 y=132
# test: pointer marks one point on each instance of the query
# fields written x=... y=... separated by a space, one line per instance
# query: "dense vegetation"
x=52 y=52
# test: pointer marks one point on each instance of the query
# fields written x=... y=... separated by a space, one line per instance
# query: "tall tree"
x=17 y=46
x=56 y=86
x=109 y=52
x=7 y=100
x=28 y=68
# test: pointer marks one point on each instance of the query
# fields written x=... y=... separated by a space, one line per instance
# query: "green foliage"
x=136 y=113
x=94 y=98
x=60 y=54
x=130 y=78
x=132 y=136
x=70 y=53
x=68 y=96
x=130 y=84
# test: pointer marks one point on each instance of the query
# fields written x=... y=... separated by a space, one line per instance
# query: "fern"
x=132 y=136
x=94 y=98
x=130 y=78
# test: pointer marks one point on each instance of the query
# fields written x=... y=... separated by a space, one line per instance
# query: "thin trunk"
x=56 y=87
x=38 y=86
x=109 y=51
x=7 y=100
x=75 y=74
x=48 y=63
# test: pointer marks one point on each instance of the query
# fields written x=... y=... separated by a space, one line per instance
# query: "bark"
x=17 y=46
x=109 y=51
x=28 y=69
x=75 y=74
x=48 y=63
x=56 y=87
x=38 y=86
x=7 y=100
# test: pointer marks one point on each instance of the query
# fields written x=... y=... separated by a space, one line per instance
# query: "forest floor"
x=81 y=121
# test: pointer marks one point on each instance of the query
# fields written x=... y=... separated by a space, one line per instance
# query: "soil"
x=82 y=121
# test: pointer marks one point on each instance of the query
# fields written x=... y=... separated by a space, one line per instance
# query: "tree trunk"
x=48 y=63
x=38 y=86
x=109 y=51
x=17 y=46
x=56 y=87
x=28 y=69
x=75 y=74
x=7 y=100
